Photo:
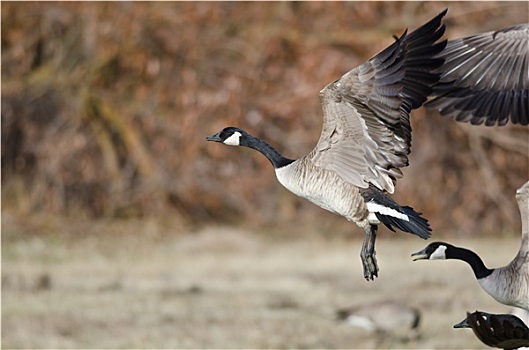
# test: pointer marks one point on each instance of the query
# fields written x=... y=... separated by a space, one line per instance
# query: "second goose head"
x=435 y=251
x=445 y=251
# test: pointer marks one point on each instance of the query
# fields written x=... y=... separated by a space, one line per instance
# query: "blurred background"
x=105 y=109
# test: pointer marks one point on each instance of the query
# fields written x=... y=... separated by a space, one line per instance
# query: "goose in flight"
x=485 y=78
x=365 y=140
x=509 y=284
x=502 y=331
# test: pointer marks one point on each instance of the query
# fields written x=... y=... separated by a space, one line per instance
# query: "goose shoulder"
x=522 y=197
x=521 y=261
x=509 y=285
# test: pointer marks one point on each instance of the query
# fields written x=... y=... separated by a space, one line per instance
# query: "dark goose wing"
x=366 y=134
x=486 y=78
x=502 y=331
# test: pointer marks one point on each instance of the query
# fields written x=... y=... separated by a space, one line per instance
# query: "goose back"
x=497 y=330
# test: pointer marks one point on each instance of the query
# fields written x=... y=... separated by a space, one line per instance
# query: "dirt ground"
x=225 y=287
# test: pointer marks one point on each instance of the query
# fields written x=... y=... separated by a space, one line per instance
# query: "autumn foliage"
x=105 y=109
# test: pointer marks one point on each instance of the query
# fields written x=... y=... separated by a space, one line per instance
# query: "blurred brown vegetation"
x=105 y=107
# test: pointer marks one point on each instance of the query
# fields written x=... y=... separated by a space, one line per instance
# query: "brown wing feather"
x=366 y=134
x=486 y=78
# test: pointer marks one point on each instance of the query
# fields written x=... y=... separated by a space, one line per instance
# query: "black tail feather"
x=416 y=225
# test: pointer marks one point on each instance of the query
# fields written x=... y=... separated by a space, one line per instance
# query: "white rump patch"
x=439 y=253
x=233 y=140
x=361 y=322
x=372 y=219
x=379 y=208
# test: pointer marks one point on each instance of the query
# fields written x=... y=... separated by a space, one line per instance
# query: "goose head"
x=231 y=136
x=473 y=316
x=434 y=251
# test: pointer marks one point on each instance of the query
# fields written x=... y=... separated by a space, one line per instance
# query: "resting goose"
x=509 y=284
x=485 y=78
x=387 y=317
x=503 y=331
x=365 y=140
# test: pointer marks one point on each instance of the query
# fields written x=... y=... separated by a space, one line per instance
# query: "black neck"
x=273 y=156
x=475 y=262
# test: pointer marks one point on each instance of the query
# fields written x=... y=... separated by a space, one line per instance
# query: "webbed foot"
x=368 y=254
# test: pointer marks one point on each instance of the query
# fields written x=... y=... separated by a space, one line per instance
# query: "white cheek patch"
x=233 y=140
x=378 y=208
x=439 y=253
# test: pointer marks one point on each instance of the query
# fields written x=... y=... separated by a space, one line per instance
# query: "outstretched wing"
x=485 y=78
x=366 y=134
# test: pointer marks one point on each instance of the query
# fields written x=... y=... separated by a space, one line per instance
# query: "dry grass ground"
x=105 y=106
x=130 y=285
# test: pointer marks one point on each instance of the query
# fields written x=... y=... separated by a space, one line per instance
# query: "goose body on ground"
x=509 y=284
x=485 y=78
x=502 y=331
x=365 y=139
x=386 y=317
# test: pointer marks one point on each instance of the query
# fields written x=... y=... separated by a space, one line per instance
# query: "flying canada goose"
x=485 y=78
x=365 y=140
x=509 y=284
x=387 y=317
x=503 y=331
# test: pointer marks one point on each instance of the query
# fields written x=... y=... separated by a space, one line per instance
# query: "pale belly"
x=328 y=191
